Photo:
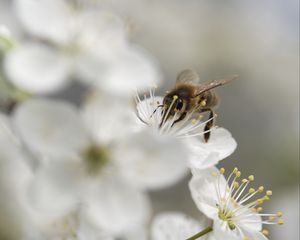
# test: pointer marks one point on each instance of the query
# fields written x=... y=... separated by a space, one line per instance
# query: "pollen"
x=261 y=189
x=280 y=221
x=251 y=190
x=251 y=178
x=269 y=193
x=175 y=97
x=203 y=103
x=222 y=170
x=265 y=232
x=279 y=214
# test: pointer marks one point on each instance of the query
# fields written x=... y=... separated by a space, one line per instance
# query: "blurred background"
x=259 y=41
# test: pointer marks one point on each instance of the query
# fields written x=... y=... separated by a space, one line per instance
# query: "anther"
x=251 y=190
x=236 y=185
x=238 y=174
x=214 y=174
x=244 y=180
x=279 y=214
x=259 y=209
x=222 y=170
x=265 y=232
x=203 y=103
x=251 y=178
x=261 y=189
x=175 y=97
x=280 y=221
x=269 y=193
x=235 y=170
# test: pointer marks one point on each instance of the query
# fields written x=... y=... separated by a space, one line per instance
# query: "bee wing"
x=215 y=83
x=188 y=76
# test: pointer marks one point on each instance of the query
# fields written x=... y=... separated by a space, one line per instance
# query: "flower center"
x=66 y=227
x=226 y=215
x=96 y=157
x=236 y=203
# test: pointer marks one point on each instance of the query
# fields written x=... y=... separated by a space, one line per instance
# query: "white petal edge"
x=117 y=207
x=37 y=68
x=204 y=155
x=50 y=127
x=151 y=161
x=48 y=19
x=175 y=226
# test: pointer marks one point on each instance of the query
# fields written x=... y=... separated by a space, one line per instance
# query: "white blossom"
x=87 y=44
x=75 y=170
x=230 y=204
x=190 y=131
x=175 y=226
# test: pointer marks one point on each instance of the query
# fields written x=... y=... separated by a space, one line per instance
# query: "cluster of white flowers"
x=83 y=172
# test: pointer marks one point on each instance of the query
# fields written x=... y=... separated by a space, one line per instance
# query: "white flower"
x=190 y=130
x=175 y=226
x=93 y=159
x=75 y=169
x=85 y=42
x=230 y=204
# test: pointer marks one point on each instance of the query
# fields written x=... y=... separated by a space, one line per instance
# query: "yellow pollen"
x=265 y=232
x=235 y=170
x=238 y=174
x=246 y=238
x=251 y=178
x=214 y=174
x=194 y=121
x=203 y=103
x=269 y=193
x=259 y=201
x=279 y=214
x=175 y=97
x=259 y=209
x=266 y=198
x=280 y=221
x=251 y=190
x=261 y=189
x=244 y=180
x=222 y=170
x=271 y=218
x=236 y=184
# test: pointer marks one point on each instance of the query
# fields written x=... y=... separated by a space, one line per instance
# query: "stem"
x=200 y=234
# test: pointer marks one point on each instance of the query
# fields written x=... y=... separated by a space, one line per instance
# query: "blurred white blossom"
x=77 y=168
x=175 y=226
x=190 y=131
x=76 y=42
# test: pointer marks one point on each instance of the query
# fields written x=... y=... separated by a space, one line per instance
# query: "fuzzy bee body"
x=189 y=95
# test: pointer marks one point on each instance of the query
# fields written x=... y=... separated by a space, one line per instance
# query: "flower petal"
x=52 y=192
x=49 y=19
x=126 y=70
x=203 y=187
x=50 y=127
x=203 y=155
x=175 y=226
x=116 y=207
x=107 y=116
x=37 y=68
x=151 y=161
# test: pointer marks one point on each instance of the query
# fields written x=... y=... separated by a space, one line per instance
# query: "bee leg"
x=209 y=124
x=182 y=116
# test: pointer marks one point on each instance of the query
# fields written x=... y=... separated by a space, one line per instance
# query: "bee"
x=189 y=95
